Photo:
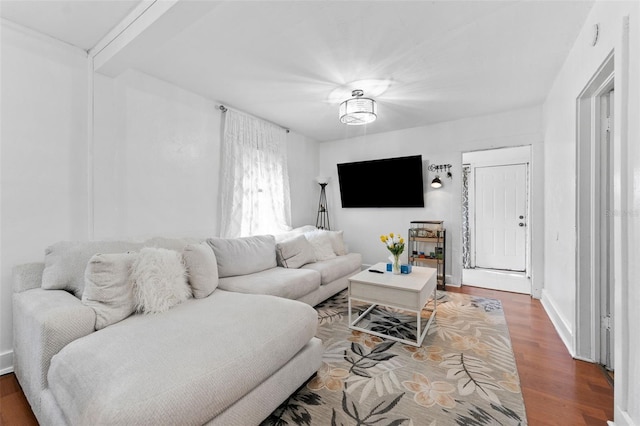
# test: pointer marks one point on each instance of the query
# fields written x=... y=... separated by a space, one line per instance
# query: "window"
x=254 y=180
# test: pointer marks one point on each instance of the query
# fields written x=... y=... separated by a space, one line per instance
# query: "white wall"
x=157 y=161
x=560 y=190
x=441 y=143
x=44 y=129
x=303 y=160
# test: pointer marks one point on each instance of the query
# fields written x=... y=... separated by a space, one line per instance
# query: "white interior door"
x=501 y=217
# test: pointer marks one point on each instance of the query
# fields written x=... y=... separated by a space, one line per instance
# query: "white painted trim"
x=586 y=341
x=121 y=27
x=90 y=151
x=561 y=326
x=622 y=418
x=134 y=24
x=624 y=330
x=503 y=156
x=6 y=362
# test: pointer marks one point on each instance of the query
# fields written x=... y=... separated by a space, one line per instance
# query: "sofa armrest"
x=44 y=322
x=27 y=276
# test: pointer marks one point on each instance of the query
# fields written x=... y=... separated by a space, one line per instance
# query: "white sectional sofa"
x=228 y=357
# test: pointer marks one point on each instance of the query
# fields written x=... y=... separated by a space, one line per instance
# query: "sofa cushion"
x=159 y=280
x=202 y=269
x=332 y=269
x=108 y=289
x=281 y=282
x=242 y=256
x=321 y=243
x=66 y=261
x=184 y=366
x=294 y=252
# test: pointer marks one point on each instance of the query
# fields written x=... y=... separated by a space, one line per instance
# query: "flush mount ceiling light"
x=358 y=110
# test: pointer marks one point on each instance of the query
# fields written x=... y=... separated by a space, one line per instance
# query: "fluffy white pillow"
x=202 y=269
x=159 y=280
x=321 y=244
x=295 y=252
x=107 y=289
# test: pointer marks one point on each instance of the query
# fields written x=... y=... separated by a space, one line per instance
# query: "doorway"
x=595 y=217
x=496 y=237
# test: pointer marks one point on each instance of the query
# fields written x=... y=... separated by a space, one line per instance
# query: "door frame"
x=589 y=284
x=503 y=156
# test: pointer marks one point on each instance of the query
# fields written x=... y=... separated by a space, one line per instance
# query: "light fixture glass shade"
x=436 y=182
x=358 y=111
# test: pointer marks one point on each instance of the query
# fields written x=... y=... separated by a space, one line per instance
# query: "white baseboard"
x=6 y=363
x=559 y=323
x=622 y=418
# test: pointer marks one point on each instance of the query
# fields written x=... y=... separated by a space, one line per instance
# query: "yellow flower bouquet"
x=395 y=244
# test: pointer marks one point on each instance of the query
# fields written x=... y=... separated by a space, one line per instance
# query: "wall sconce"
x=436 y=182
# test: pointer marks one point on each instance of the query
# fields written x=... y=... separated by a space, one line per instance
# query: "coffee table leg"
x=351 y=324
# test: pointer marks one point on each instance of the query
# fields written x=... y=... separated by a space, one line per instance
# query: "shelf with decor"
x=427 y=246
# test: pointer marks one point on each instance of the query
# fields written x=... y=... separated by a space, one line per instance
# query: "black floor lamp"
x=322 y=219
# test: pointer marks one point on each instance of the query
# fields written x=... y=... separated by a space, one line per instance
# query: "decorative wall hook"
x=436 y=182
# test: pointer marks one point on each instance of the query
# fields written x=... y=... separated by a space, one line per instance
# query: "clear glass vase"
x=395 y=263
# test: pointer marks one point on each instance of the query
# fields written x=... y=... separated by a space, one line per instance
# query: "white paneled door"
x=501 y=217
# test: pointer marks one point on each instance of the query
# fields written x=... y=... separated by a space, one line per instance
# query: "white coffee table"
x=408 y=292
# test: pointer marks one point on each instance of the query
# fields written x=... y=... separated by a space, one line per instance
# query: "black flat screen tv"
x=389 y=182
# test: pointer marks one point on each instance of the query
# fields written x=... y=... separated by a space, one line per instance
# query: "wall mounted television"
x=389 y=182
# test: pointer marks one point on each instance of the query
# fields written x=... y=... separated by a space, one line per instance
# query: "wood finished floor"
x=557 y=389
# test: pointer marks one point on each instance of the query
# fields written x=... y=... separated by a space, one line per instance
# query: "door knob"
x=521 y=224
x=521 y=217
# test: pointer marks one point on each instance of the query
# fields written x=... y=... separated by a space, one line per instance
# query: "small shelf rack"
x=427 y=246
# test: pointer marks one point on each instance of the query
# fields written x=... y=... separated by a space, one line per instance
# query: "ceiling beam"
x=150 y=24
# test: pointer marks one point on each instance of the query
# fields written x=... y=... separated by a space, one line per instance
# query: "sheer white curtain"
x=254 y=182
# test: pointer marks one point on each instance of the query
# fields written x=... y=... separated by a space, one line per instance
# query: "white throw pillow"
x=321 y=243
x=108 y=289
x=337 y=242
x=159 y=280
x=202 y=269
x=295 y=252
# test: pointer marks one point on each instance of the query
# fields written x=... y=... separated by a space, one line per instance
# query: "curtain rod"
x=225 y=109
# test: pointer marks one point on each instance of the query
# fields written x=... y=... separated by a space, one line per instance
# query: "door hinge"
x=608 y=124
x=606 y=322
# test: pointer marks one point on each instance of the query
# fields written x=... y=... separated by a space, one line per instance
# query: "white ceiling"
x=81 y=23
x=281 y=60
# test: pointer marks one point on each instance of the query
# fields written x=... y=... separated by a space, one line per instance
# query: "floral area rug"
x=463 y=374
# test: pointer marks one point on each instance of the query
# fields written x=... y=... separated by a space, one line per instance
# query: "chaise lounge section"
x=229 y=358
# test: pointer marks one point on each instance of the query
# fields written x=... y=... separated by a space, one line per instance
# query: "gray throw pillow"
x=108 y=290
x=295 y=252
x=202 y=269
x=65 y=262
x=242 y=256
